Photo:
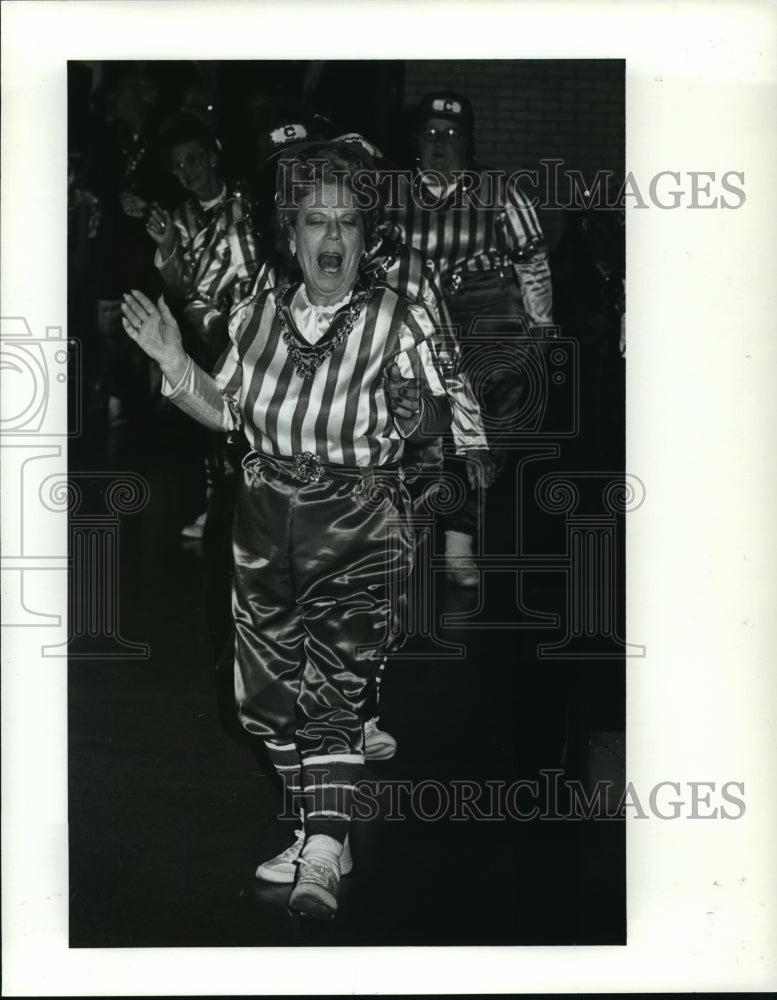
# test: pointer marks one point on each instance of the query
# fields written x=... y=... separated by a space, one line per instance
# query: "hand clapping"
x=154 y=329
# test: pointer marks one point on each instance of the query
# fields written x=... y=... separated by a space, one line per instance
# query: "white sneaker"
x=378 y=745
x=460 y=566
x=195 y=529
x=283 y=868
x=315 y=894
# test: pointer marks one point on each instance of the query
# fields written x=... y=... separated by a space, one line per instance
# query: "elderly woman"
x=328 y=377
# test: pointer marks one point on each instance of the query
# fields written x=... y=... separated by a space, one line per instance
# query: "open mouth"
x=330 y=263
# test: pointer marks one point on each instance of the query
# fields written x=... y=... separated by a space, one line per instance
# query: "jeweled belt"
x=305 y=467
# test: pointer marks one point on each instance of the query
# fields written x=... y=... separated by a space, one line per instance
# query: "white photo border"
x=701 y=83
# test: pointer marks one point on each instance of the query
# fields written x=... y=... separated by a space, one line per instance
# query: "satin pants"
x=320 y=569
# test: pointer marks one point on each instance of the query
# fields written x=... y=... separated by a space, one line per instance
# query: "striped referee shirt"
x=415 y=277
x=214 y=259
x=468 y=229
x=341 y=413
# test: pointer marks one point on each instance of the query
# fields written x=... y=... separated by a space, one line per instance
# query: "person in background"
x=490 y=252
x=200 y=262
x=328 y=378
x=205 y=257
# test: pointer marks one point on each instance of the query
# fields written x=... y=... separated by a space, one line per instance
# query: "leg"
x=269 y=634
x=268 y=640
x=351 y=556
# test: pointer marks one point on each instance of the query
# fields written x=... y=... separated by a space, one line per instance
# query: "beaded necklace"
x=308 y=358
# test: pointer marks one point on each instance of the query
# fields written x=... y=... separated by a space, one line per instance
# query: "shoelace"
x=322 y=873
x=291 y=853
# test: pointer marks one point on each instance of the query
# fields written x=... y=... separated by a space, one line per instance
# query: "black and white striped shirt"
x=415 y=277
x=341 y=413
x=214 y=259
x=468 y=229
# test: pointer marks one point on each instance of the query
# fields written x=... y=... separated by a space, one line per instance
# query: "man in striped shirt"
x=484 y=237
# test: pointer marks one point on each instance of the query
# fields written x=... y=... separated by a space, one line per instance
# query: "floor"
x=172 y=808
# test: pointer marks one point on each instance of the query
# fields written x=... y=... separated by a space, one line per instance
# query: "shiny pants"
x=319 y=575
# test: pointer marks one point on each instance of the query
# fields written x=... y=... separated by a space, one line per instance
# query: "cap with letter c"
x=448 y=105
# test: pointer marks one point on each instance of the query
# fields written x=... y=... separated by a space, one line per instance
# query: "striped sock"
x=328 y=782
x=286 y=761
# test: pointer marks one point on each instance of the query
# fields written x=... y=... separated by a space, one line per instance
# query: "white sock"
x=322 y=846
x=457 y=543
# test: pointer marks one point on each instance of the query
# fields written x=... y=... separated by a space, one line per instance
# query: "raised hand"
x=154 y=329
x=161 y=229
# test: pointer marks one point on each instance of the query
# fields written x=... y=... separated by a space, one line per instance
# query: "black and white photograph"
x=367 y=646
x=365 y=449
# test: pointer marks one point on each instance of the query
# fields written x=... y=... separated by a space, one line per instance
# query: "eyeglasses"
x=446 y=134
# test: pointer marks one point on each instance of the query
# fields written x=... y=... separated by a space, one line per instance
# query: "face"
x=329 y=239
x=195 y=169
x=442 y=146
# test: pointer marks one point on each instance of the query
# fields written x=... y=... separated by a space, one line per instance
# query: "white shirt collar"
x=311 y=320
x=323 y=309
x=205 y=205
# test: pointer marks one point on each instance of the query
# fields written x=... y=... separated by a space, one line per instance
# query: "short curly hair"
x=317 y=164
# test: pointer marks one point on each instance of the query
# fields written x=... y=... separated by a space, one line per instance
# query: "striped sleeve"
x=467 y=423
x=230 y=258
x=417 y=357
x=224 y=275
x=175 y=269
x=264 y=279
x=526 y=246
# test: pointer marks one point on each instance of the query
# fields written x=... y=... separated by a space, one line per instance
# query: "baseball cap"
x=281 y=124
x=449 y=105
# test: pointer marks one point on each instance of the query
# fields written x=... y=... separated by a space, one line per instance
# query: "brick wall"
x=528 y=110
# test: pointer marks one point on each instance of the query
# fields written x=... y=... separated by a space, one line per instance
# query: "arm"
x=224 y=274
x=210 y=401
x=526 y=247
x=415 y=383
x=418 y=413
x=171 y=236
x=467 y=424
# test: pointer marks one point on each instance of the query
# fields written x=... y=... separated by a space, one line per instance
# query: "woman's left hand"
x=404 y=396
